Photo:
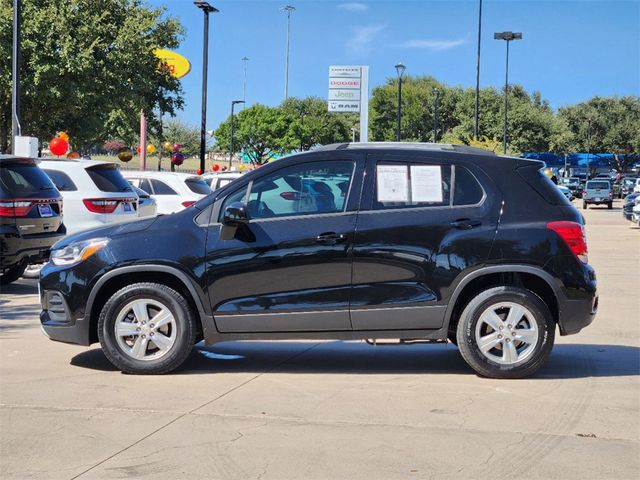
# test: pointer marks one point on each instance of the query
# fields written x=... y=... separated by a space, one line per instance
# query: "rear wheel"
x=12 y=274
x=147 y=328
x=506 y=332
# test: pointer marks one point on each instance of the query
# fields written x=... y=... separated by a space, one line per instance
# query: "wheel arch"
x=532 y=278
x=118 y=278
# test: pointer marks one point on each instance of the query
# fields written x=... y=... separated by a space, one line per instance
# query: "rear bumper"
x=16 y=249
x=574 y=315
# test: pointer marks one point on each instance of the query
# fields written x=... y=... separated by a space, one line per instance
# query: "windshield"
x=198 y=185
x=23 y=180
x=598 y=185
x=108 y=178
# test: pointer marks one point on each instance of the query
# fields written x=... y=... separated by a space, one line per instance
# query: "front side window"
x=306 y=189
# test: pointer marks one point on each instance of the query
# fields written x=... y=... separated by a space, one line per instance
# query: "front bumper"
x=58 y=323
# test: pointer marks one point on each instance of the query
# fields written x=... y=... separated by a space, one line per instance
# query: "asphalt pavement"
x=332 y=410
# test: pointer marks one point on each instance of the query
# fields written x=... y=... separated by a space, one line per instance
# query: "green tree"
x=177 y=131
x=262 y=132
x=87 y=68
x=312 y=124
x=605 y=124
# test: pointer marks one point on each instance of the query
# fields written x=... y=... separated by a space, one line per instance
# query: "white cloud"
x=354 y=7
x=362 y=38
x=433 y=45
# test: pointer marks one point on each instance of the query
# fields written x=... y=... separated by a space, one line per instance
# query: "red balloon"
x=215 y=168
x=138 y=149
x=176 y=147
x=58 y=146
x=177 y=158
x=198 y=172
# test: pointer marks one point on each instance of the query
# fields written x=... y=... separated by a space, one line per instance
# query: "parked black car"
x=350 y=241
x=30 y=216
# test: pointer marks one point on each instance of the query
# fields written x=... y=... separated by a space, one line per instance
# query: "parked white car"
x=636 y=188
x=219 y=180
x=94 y=193
x=172 y=191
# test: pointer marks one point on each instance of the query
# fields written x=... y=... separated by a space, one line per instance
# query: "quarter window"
x=61 y=180
x=466 y=189
x=306 y=189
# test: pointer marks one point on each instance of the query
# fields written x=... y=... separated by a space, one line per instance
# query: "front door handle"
x=465 y=224
x=331 y=238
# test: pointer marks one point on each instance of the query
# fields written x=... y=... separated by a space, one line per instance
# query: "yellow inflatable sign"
x=177 y=65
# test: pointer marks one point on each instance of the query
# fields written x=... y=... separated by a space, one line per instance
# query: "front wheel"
x=147 y=328
x=505 y=332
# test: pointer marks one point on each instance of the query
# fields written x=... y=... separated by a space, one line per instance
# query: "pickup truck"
x=597 y=192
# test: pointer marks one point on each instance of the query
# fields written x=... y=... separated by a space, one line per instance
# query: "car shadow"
x=566 y=360
x=20 y=287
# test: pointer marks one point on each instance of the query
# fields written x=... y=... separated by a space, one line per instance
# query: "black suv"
x=30 y=216
x=352 y=241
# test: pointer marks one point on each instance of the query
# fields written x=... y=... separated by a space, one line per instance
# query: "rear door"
x=289 y=269
x=424 y=220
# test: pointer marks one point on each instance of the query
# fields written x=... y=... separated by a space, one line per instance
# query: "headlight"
x=78 y=251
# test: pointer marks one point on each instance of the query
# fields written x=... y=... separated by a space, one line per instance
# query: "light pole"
x=288 y=9
x=588 y=148
x=244 y=81
x=506 y=36
x=15 y=74
x=400 y=68
x=477 y=107
x=206 y=9
x=436 y=92
x=233 y=104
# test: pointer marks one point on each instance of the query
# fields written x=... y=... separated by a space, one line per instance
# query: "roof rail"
x=443 y=147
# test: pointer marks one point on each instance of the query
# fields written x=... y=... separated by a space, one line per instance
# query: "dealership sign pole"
x=349 y=92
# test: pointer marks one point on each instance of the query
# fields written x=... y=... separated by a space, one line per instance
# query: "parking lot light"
x=506 y=36
x=400 y=68
x=206 y=9
x=233 y=104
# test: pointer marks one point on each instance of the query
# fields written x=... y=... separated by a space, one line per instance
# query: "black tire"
x=610 y=205
x=468 y=323
x=584 y=205
x=184 y=321
x=12 y=274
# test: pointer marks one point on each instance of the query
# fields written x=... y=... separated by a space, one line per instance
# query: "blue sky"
x=571 y=50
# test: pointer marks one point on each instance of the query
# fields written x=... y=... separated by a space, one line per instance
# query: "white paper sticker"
x=393 y=183
x=426 y=183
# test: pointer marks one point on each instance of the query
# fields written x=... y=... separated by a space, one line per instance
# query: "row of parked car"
x=35 y=193
x=601 y=190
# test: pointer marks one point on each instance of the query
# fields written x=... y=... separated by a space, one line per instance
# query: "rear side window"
x=402 y=185
x=161 y=188
x=197 y=185
x=598 y=185
x=108 y=179
x=61 y=180
x=23 y=179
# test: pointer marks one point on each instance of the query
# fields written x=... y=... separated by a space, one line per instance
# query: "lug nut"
x=144 y=323
x=508 y=340
x=144 y=336
x=151 y=325
x=151 y=334
x=138 y=329
x=509 y=326
x=513 y=333
x=499 y=336
x=500 y=327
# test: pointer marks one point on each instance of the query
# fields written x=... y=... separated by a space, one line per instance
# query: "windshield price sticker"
x=393 y=184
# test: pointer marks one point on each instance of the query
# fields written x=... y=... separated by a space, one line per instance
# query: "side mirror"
x=235 y=215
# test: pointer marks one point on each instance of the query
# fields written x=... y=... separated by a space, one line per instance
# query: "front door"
x=289 y=269
x=423 y=221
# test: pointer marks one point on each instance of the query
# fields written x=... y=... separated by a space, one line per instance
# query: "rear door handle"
x=465 y=224
x=331 y=238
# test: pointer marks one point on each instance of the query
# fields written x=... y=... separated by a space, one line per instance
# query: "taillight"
x=188 y=203
x=572 y=234
x=290 y=195
x=15 y=208
x=100 y=205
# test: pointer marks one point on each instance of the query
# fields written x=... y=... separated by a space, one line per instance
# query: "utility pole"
x=244 y=82
x=477 y=107
x=436 y=92
x=233 y=104
x=508 y=37
x=288 y=9
x=15 y=76
x=400 y=68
